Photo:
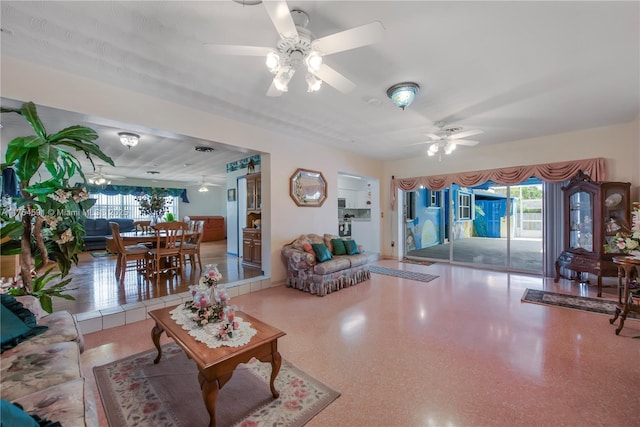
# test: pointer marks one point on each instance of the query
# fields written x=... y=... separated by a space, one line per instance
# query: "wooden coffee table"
x=216 y=365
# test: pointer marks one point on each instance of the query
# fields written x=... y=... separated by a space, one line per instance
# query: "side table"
x=629 y=268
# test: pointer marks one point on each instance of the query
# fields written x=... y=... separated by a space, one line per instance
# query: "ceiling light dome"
x=129 y=139
x=403 y=94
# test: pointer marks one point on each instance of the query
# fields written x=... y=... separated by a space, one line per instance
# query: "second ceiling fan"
x=447 y=138
x=298 y=49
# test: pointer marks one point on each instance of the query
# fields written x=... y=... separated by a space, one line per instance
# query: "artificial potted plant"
x=49 y=219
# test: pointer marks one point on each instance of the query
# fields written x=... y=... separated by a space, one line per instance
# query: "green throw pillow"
x=12 y=415
x=338 y=247
x=17 y=324
x=322 y=252
x=352 y=247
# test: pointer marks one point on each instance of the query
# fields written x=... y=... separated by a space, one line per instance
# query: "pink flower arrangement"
x=226 y=330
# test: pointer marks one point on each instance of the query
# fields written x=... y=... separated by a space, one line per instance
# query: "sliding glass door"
x=491 y=225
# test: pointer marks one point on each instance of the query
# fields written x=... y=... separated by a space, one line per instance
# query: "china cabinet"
x=252 y=247
x=593 y=213
x=254 y=192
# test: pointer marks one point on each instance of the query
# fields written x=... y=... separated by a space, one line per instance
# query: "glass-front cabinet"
x=581 y=221
x=593 y=213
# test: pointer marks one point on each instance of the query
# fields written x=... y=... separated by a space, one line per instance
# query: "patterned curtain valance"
x=112 y=190
x=549 y=172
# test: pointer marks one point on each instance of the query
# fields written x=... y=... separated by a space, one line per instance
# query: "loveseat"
x=311 y=269
x=99 y=229
x=42 y=373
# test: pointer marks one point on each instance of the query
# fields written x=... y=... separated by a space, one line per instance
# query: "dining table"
x=139 y=237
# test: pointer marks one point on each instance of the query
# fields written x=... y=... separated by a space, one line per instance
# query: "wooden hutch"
x=252 y=233
x=593 y=213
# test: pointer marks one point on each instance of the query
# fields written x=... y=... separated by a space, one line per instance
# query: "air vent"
x=204 y=148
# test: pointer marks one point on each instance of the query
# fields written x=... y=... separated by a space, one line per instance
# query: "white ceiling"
x=516 y=69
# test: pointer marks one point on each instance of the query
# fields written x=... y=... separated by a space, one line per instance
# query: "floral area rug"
x=411 y=275
x=135 y=392
x=594 y=305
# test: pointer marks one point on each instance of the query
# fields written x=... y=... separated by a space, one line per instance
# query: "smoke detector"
x=204 y=148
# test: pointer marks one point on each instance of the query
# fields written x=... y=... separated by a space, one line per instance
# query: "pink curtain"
x=549 y=172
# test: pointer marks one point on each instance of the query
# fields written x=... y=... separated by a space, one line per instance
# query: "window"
x=434 y=199
x=123 y=206
x=464 y=206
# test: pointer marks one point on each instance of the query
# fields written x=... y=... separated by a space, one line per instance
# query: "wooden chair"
x=127 y=254
x=191 y=247
x=165 y=255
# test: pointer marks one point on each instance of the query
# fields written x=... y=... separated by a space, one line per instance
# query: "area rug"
x=415 y=261
x=100 y=254
x=411 y=275
x=135 y=392
x=595 y=305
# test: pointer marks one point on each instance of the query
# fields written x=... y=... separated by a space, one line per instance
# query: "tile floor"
x=461 y=350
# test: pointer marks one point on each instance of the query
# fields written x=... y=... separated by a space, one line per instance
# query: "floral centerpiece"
x=627 y=241
x=154 y=205
x=211 y=304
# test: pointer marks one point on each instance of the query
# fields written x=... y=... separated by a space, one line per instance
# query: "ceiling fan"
x=204 y=186
x=448 y=138
x=100 y=178
x=298 y=48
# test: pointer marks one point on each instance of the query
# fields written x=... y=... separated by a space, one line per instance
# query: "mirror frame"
x=299 y=180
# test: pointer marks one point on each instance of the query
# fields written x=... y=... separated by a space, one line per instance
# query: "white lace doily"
x=208 y=334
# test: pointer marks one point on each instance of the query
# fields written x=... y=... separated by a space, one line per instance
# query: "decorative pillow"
x=307 y=248
x=13 y=415
x=352 y=247
x=322 y=252
x=17 y=323
x=338 y=247
x=327 y=240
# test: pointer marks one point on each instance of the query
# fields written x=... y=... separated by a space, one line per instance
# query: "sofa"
x=99 y=229
x=42 y=373
x=309 y=272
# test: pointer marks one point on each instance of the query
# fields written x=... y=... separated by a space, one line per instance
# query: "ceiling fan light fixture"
x=129 y=139
x=313 y=61
x=273 y=62
x=281 y=82
x=203 y=188
x=403 y=94
x=313 y=83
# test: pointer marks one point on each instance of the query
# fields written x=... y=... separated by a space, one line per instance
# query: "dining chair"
x=127 y=254
x=144 y=227
x=165 y=256
x=190 y=248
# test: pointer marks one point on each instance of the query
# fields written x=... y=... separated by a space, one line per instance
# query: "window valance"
x=112 y=190
x=549 y=172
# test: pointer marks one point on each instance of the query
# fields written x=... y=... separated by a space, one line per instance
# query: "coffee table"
x=216 y=365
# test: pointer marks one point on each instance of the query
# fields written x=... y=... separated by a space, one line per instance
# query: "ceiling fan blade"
x=465 y=142
x=281 y=17
x=273 y=91
x=434 y=136
x=465 y=133
x=349 y=39
x=335 y=79
x=237 y=50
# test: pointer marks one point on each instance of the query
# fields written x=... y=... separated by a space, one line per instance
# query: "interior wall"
x=282 y=220
x=618 y=144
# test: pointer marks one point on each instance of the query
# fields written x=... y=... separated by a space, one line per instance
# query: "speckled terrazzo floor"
x=461 y=350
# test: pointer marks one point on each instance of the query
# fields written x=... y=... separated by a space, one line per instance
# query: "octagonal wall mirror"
x=308 y=188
